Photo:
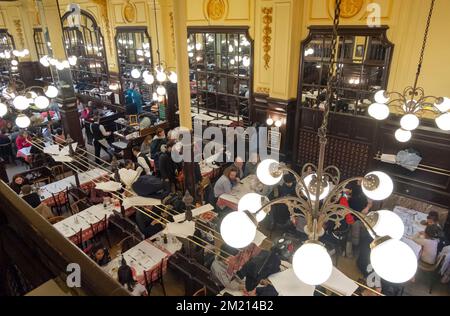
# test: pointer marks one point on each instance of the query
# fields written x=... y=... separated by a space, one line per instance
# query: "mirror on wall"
x=363 y=64
x=6 y=48
x=220 y=71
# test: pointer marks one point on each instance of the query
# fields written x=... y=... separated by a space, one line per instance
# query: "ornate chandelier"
x=413 y=101
x=160 y=72
x=318 y=192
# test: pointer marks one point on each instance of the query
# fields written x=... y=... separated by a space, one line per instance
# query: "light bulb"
x=269 y=121
x=278 y=123
x=237 y=230
x=409 y=122
x=59 y=66
x=377 y=185
x=246 y=61
x=265 y=172
x=25 y=52
x=3 y=109
x=73 y=60
x=444 y=106
x=161 y=90
x=379 y=111
x=21 y=103
x=394 y=261
x=388 y=224
x=16 y=53
x=66 y=64
x=198 y=46
x=161 y=76
x=380 y=97
x=250 y=202
x=191 y=54
x=51 y=92
x=114 y=86
x=403 y=136
x=52 y=61
x=41 y=102
x=155 y=96
x=135 y=73
x=149 y=79
x=23 y=121
x=232 y=61
x=14 y=62
x=443 y=122
x=312 y=264
x=173 y=77
x=313 y=196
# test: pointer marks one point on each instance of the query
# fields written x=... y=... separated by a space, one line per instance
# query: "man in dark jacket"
x=167 y=167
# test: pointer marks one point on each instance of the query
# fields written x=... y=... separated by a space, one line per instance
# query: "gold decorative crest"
x=216 y=9
x=129 y=12
x=349 y=8
x=267 y=32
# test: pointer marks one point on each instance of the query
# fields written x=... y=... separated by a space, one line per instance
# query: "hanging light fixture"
x=413 y=101
x=392 y=259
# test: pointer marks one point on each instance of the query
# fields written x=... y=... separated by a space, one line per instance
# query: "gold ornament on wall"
x=18 y=26
x=216 y=9
x=129 y=12
x=104 y=12
x=172 y=29
x=349 y=8
x=263 y=90
x=267 y=35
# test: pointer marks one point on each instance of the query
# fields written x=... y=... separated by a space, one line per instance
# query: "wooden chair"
x=153 y=277
x=79 y=206
x=55 y=219
x=100 y=230
x=127 y=243
x=57 y=172
x=44 y=181
x=201 y=292
x=60 y=201
x=432 y=270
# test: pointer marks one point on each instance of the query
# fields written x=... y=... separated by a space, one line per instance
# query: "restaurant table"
x=87 y=181
x=93 y=215
x=145 y=256
x=173 y=244
x=412 y=220
x=247 y=185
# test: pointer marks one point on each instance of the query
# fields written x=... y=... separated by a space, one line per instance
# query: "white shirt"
x=141 y=161
x=429 y=249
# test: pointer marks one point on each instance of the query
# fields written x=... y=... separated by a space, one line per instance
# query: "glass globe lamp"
x=377 y=186
x=238 y=230
x=265 y=172
x=312 y=264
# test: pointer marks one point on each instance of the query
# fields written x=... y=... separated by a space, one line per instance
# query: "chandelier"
x=17 y=99
x=413 y=101
x=14 y=56
x=160 y=72
x=318 y=191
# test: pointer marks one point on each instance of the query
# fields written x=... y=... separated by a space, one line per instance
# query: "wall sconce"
x=270 y=122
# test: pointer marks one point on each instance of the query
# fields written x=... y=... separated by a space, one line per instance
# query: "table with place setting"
x=412 y=220
x=71 y=226
x=144 y=257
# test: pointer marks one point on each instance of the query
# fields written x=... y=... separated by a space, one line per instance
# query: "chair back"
x=99 y=227
x=79 y=206
x=201 y=292
x=58 y=172
x=78 y=238
x=127 y=243
x=154 y=275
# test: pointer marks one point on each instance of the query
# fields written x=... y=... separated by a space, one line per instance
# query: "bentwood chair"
x=100 y=231
x=431 y=270
x=79 y=206
x=201 y=292
x=60 y=201
x=153 y=277
x=127 y=243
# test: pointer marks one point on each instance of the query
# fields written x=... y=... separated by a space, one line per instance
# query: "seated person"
x=59 y=137
x=157 y=142
x=147 y=223
x=226 y=182
x=126 y=279
x=219 y=269
x=281 y=214
x=23 y=140
x=429 y=240
x=32 y=198
x=251 y=165
x=17 y=183
x=239 y=165
x=100 y=255
x=433 y=219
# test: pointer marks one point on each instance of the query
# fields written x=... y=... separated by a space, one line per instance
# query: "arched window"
x=134 y=51
x=6 y=46
x=85 y=41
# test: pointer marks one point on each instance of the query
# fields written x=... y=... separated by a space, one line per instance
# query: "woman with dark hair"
x=18 y=182
x=100 y=255
x=125 y=277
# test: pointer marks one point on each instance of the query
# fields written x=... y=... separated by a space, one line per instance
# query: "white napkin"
x=60 y=158
x=183 y=230
x=128 y=176
x=196 y=212
x=109 y=186
x=340 y=283
x=51 y=150
x=139 y=201
x=287 y=284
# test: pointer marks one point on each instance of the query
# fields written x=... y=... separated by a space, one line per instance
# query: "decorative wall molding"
x=216 y=9
x=104 y=14
x=129 y=12
x=349 y=8
x=263 y=90
x=172 y=30
x=267 y=35
x=18 y=25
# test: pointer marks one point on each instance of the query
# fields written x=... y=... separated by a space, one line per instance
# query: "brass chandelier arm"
x=300 y=184
x=337 y=190
x=335 y=207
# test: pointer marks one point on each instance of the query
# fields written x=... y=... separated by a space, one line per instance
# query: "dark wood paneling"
x=29 y=71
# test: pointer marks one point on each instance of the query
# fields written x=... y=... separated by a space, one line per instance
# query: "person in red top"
x=23 y=140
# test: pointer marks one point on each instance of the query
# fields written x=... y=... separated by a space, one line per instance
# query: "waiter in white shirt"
x=142 y=160
x=99 y=133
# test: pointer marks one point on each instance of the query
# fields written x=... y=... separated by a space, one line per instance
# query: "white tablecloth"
x=412 y=220
x=83 y=220
x=249 y=184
